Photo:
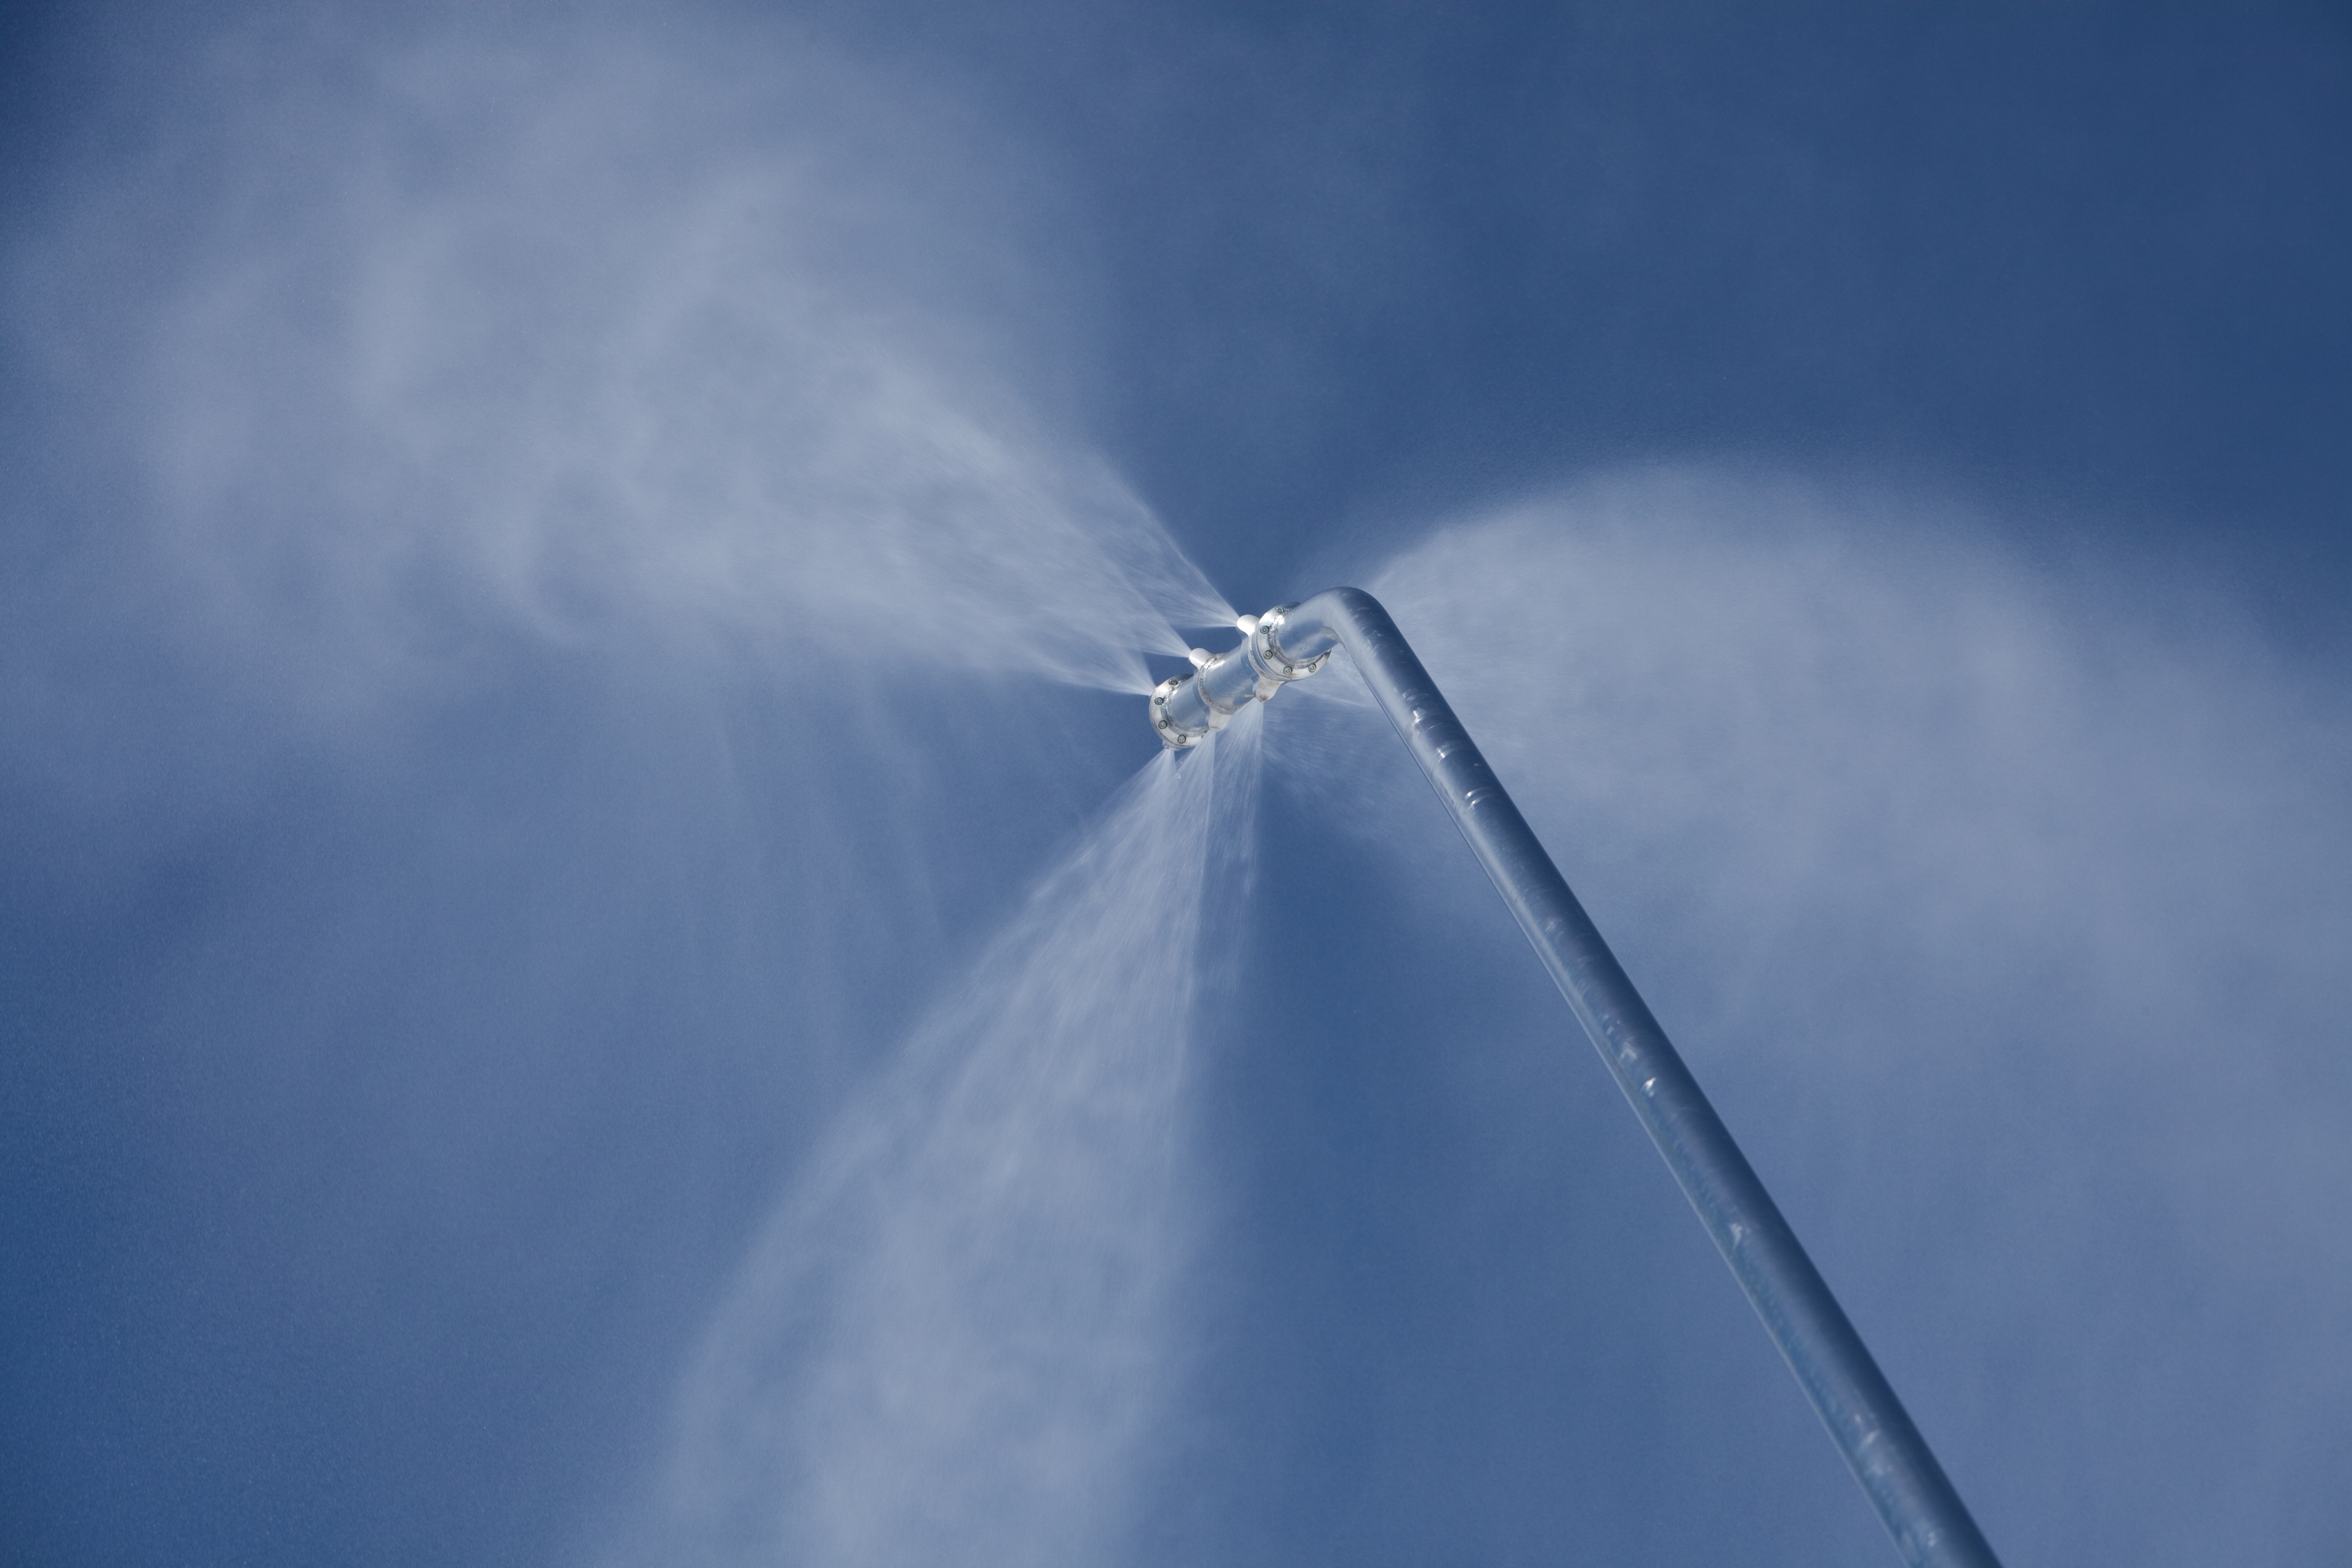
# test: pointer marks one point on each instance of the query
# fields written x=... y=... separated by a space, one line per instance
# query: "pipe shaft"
x=1931 y=1526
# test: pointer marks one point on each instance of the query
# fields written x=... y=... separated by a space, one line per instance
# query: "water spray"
x=1931 y=1526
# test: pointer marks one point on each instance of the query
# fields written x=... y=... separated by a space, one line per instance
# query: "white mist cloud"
x=605 y=446
x=955 y=1340
x=2004 y=912
x=395 y=328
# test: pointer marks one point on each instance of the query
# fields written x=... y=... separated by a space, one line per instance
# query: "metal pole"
x=1930 y=1524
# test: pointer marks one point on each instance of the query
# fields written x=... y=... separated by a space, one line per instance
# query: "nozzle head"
x=1188 y=709
x=1170 y=734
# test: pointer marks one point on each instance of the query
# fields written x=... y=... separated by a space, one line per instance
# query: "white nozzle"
x=1200 y=658
x=1246 y=624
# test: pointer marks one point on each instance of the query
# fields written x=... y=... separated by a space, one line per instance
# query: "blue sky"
x=600 y=966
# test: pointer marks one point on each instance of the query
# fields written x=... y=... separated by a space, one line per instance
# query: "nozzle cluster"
x=1187 y=708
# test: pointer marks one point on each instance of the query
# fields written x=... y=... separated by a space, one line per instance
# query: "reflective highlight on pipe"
x=1931 y=1526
